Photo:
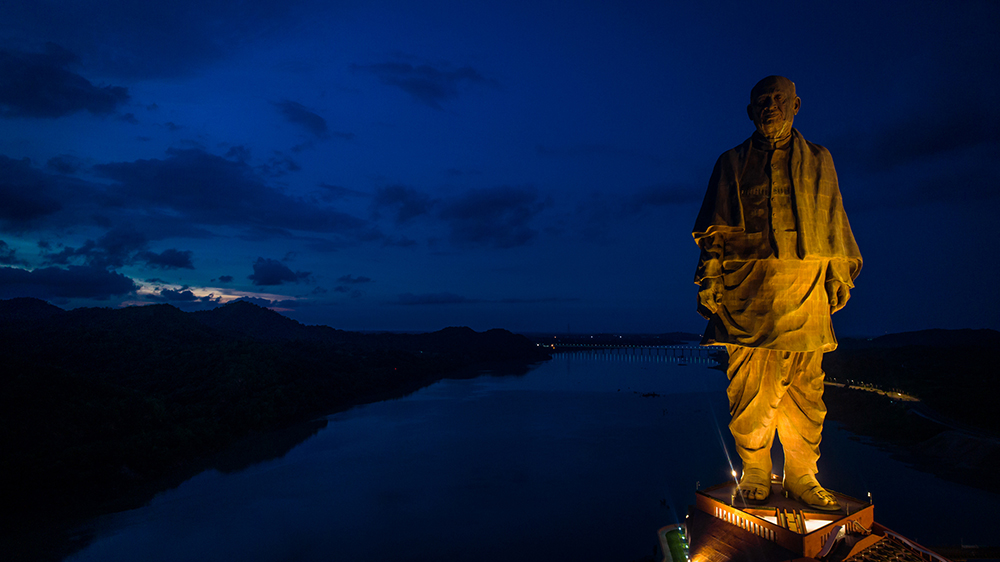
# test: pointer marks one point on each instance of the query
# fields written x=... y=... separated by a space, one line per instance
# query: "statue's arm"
x=708 y=276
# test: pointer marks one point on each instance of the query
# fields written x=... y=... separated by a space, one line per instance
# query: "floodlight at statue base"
x=721 y=530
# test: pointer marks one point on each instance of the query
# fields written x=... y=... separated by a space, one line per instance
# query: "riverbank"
x=926 y=397
x=958 y=455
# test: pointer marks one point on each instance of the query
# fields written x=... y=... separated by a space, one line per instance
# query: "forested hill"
x=97 y=401
x=951 y=371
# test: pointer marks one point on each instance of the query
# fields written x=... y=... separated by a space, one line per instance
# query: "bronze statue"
x=777 y=259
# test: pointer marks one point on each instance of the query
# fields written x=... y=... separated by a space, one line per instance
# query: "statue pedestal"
x=783 y=529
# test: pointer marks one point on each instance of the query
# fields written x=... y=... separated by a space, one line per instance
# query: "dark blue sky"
x=527 y=165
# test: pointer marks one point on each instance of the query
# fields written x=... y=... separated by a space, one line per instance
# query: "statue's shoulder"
x=817 y=150
x=735 y=154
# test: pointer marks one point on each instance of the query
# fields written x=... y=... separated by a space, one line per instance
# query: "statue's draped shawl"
x=768 y=302
x=823 y=230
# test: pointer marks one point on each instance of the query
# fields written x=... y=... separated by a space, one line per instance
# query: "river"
x=575 y=460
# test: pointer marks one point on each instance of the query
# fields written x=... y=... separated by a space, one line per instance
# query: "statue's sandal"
x=753 y=480
x=809 y=492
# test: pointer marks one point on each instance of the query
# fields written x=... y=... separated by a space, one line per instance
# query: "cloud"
x=183 y=295
x=127 y=38
x=941 y=152
x=279 y=305
x=405 y=202
x=117 y=245
x=7 y=256
x=183 y=194
x=225 y=278
x=179 y=295
x=75 y=281
x=432 y=298
x=239 y=153
x=116 y=248
x=279 y=165
x=41 y=85
x=354 y=280
x=426 y=84
x=296 y=113
x=399 y=242
x=934 y=133
x=167 y=259
x=498 y=217
x=335 y=192
x=273 y=272
x=64 y=164
x=197 y=187
x=347 y=280
x=26 y=194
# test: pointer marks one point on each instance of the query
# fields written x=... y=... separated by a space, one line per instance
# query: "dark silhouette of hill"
x=951 y=371
x=929 y=338
x=97 y=405
x=952 y=432
x=247 y=319
x=27 y=309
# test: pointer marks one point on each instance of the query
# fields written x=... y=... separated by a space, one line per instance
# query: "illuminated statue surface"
x=777 y=260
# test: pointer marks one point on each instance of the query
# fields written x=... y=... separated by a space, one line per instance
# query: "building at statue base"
x=721 y=530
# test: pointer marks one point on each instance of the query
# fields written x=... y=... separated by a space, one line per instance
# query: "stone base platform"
x=721 y=530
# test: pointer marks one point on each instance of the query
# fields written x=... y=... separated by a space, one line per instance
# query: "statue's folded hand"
x=709 y=296
x=838 y=293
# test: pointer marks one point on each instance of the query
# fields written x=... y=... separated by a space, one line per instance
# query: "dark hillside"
x=928 y=338
x=247 y=319
x=26 y=309
x=97 y=405
x=953 y=430
x=951 y=371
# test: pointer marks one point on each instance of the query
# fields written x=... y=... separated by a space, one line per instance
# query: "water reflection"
x=570 y=461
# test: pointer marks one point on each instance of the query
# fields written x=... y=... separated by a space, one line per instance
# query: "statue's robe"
x=775 y=268
x=773 y=228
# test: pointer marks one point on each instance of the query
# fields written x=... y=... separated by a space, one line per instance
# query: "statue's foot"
x=807 y=490
x=754 y=487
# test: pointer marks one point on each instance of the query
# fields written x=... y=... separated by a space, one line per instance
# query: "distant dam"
x=708 y=355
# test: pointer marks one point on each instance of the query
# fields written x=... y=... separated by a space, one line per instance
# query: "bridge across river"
x=643 y=353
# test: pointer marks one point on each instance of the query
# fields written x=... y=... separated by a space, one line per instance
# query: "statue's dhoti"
x=779 y=391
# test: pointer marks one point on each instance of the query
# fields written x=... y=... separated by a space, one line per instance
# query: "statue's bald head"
x=773 y=106
x=773 y=82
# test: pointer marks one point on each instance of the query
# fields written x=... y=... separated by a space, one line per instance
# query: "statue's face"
x=773 y=106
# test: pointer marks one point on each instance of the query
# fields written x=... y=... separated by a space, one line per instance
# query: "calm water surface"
x=567 y=462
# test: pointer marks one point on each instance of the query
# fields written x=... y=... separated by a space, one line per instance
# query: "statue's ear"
x=796 y=105
x=750 y=111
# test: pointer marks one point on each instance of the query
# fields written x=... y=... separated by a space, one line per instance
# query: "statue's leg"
x=800 y=427
x=753 y=400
